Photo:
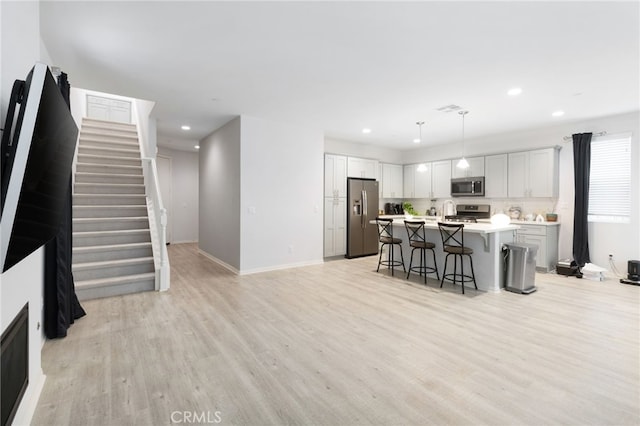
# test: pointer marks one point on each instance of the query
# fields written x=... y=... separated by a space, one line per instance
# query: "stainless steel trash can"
x=520 y=263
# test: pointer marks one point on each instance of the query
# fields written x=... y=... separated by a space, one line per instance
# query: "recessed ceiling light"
x=196 y=146
x=557 y=113
x=416 y=140
x=185 y=127
x=366 y=131
x=514 y=92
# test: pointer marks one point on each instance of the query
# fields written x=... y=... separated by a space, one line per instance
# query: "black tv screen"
x=35 y=180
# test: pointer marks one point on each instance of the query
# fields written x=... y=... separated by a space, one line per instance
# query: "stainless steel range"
x=470 y=213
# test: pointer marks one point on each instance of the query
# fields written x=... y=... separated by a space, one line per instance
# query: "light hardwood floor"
x=339 y=344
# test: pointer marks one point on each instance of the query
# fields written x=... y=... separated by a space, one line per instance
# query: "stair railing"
x=155 y=207
x=157 y=223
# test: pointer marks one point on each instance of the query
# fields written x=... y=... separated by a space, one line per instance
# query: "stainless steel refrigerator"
x=362 y=207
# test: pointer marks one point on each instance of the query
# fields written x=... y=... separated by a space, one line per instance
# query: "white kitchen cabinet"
x=543 y=173
x=408 y=181
x=335 y=175
x=423 y=180
x=533 y=173
x=496 y=176
x=335 y=226
x=362 y=168
x=545 y=236
x=441 y=179
x=392 y=181
x=476 y=168
x=417 y=180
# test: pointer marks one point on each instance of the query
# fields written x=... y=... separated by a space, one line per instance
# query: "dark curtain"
x=61 y=305
x=581 y=165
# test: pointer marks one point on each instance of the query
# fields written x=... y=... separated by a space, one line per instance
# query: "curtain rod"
x=568 y=138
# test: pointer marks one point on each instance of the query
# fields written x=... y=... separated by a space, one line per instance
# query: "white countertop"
x=431 y=223
x=525 y=222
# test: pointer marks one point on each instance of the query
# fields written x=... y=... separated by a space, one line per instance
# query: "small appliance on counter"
x=633 y=273
x=392 y=209
x=515 y=212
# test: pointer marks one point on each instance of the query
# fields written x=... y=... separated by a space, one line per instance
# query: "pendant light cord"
x=463 y=113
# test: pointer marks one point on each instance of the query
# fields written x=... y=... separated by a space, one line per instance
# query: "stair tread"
x=114 y=280
x=115 y=231
x=102 y=139
x=109 y=184
x=111 y=157
x=109 y=219
x=105 y=122
x=108 y=247
x=110 y=206
x=97 y=165
x=117 y=262
x=104 y=174
x=124 y=195
x=110 y=148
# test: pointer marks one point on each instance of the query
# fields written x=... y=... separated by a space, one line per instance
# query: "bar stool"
x=418 y=241
x=453 y=244
x=385 y=236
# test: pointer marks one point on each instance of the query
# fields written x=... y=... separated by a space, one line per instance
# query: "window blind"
x=610 y=180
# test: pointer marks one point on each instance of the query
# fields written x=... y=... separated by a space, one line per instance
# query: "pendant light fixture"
x=463 y=163
x=419 y=123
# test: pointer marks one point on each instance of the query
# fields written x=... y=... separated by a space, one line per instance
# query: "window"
x=610 y=179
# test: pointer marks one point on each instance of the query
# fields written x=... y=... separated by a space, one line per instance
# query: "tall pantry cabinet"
x=335 y=205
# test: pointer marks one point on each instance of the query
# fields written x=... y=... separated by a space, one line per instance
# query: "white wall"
x=618 y=239
x=184 y=190
x=282 y=195
x=19 y=50
x=354 y=149
x=219 y=195
x=261 y=189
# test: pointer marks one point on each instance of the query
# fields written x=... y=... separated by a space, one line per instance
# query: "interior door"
x=165 y=178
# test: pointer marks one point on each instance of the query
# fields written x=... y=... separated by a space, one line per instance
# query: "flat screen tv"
x=37 y=154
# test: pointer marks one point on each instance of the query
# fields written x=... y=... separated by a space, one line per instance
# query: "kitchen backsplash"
x=532 y=206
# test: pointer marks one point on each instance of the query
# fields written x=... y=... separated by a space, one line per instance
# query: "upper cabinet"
x=418 y=180
x=533 y=173
x=335 y=176
x=441 y=179
x=392 y=181
x=362 y=168
x=476 y=168
x=495 y=176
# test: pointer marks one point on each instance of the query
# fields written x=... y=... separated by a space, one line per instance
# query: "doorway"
x=165 y=180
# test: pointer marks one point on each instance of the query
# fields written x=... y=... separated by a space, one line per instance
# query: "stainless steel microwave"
x=467 y=187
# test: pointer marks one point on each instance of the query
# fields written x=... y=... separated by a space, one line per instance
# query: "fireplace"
x=14 y=365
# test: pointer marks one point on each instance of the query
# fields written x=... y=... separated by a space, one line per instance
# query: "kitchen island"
x=485 y=239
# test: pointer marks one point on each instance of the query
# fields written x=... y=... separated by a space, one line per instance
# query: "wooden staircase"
x=112 y=251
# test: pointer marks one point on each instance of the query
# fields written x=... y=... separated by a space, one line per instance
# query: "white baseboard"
x=259 y=270
x=281 y=267
x=218 y=261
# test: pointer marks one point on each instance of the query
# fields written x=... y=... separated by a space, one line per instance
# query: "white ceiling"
x=341 y=66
